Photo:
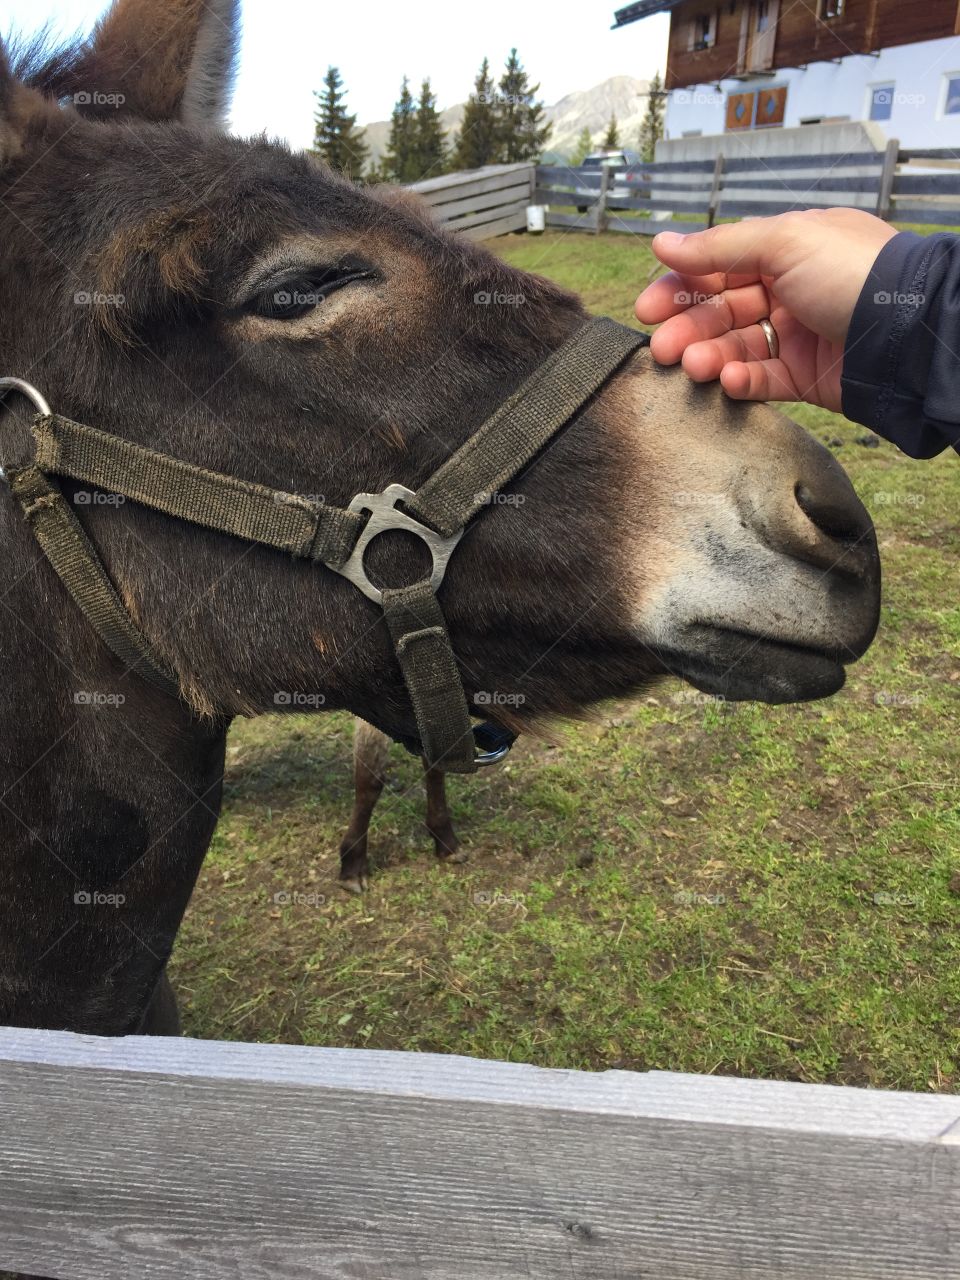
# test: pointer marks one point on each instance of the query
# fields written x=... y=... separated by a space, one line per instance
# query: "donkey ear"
x=162 y=60
x=21 y=108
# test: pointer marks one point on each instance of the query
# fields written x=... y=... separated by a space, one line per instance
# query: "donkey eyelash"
x=294 y=295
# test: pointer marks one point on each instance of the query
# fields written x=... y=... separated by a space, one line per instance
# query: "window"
x=703 y=31
x=832 y=9
x=763 y=16
x=881 y=101
x=951 y=99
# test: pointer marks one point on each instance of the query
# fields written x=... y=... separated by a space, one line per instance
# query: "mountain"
x=623 y=96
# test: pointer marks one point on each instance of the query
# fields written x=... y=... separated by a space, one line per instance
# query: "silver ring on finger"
x=773 y=342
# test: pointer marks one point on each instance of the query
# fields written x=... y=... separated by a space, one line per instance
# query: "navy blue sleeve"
x=901 y=364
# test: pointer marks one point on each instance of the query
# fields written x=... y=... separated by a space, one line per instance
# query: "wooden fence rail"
x=904 y=186
x=178 y=1158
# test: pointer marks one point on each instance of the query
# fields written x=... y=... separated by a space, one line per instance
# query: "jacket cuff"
x=885 y=332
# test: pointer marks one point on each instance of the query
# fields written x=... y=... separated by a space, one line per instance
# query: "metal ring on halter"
x=33 y=395
x=384 y=515
x=773 y=341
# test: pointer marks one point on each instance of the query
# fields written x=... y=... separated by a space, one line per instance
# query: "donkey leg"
x=162 y=1017
x=371 y=749
x=439 y=822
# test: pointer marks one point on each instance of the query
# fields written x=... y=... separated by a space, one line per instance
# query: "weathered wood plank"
x=931 y=184
x=629 y=202
x=950 y=154
x=553 y=196
x=647 y=227
x=641 y=204
x=515 y=212
x=829 y=182
x=833 y=160
x=492 y=200
x=567 y=176
x=755 y=204
x=173 y=1158
x=716 y=184
x=582 y=221
x=660 y=167
x=516 y=221
x=759 y=171
x=480 y=190
x=491 y=172
x=936 y=215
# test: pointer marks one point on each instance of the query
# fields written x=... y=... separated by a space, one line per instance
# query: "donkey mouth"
x=742 y=666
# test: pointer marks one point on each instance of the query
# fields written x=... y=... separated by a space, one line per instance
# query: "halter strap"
x=438 y=512
x=515 y=433
x=271 y=517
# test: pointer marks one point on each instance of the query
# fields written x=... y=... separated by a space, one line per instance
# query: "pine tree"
x=336 y=138
x=400 y=163
x=478 y=141
x=651 y=126
x=523 y=131
x=583 y=147
x=431 y=140
x=611 y=139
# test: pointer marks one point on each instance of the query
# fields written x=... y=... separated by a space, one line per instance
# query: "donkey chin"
x=764 y=582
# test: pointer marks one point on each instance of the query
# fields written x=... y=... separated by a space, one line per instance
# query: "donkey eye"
x=296 y=296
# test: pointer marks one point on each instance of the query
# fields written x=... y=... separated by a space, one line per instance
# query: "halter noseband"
x=437 y=513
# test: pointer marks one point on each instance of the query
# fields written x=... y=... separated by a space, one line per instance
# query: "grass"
x=763 y=891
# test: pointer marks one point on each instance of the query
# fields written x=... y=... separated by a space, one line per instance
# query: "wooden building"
x=758 y=54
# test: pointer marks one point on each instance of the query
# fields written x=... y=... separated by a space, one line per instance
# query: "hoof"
x=456 y=858
x=354 y=885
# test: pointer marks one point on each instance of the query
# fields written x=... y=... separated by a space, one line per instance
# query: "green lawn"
x=763 y=891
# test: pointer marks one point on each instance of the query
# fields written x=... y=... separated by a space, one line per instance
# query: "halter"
x=438 y=513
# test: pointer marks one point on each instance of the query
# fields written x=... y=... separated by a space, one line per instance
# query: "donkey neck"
x=112 y=794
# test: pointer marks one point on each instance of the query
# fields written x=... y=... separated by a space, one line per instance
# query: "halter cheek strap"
x=438 y=513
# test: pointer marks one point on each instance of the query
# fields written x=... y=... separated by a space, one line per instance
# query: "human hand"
x=803 y=271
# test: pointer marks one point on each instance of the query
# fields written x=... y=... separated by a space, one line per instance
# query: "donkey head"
x=241 y=307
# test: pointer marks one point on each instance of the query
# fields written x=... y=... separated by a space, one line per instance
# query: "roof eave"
x=642 y=9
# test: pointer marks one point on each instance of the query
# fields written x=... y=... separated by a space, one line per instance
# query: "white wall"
x=918 y=72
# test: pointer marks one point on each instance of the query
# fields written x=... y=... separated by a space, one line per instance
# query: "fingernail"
x=669 y=239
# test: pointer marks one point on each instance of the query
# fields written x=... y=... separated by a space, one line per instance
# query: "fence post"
x=887 y=176
x=714 y=200
x=600 y=209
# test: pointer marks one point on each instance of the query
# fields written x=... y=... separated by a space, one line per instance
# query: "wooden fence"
x=177 y=1158
x=481 y=202
x=902 y=186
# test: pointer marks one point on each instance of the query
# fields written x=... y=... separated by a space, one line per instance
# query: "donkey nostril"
x=839 y=516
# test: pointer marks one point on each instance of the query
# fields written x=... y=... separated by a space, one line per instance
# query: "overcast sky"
x=288 y=44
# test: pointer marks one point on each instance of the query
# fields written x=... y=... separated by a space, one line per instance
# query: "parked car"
x=628 y=160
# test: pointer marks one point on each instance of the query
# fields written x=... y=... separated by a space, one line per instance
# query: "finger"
x=734 y=310
x=748 y=248
x=674 y=292
x=704 y=361
x=759 y=380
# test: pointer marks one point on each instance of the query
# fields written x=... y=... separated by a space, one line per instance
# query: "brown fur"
x=594 y=581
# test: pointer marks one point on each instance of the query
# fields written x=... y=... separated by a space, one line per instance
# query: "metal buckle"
x=492 y=757
x=385 y=516
x=33 y=395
